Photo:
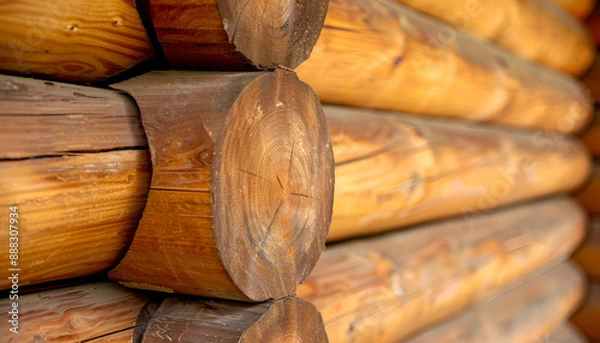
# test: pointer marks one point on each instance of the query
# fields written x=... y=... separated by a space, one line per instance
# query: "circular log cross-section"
x=242 y=187
x=273 y=33
x=186 y=320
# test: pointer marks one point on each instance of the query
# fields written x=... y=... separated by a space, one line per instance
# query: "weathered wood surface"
x=589 y=194
x=386 y=288
x=536 y=30
x=242 y=184
x=577 y=8
x=565 y=333
x=525 y=314
x=586 y=319
x=190 y=320
x=237 y=35
x=79 y=40
x=394 y=171
x=73 y=160
x=591 y=136
x=379 y=54
x=588 y=254
x=97 y=312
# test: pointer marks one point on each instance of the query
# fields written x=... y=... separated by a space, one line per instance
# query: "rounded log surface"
x=79 y=40
x=187 y=320
x=272 y=185
x=273 y=33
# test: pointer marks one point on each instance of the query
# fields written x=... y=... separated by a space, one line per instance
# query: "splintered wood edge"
x=272 y=186
x=273 y=33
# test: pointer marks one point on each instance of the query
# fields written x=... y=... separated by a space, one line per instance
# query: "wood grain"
x=237 y=35
x=83 y=41
x=242 y=185
x=536 y=30
x=73 y=160
x=379 y=54
x=365 y=288
x=396 y=170
x=526 y=314
x=187 y=320
x=98 y=312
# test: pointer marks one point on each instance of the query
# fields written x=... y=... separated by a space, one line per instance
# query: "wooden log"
x=536 y=30
x=589 y=195
x=242 y=185
x=588 y=255
x=379 y=54
x=187 y=320
x=566 y=333
x=591 y=136
x=74 y=166
x=418 y=277
x=586 y=319
x=237 y=35
x=97 y=312
x=577 y=8
x=526 y=314
x=84 y=41
x=447 y=168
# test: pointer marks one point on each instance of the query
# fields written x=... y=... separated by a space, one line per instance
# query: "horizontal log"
x=396 y=170
x=107 y=312
x=380 y=54
x=190 y=320
x=74 y=161
x=536 y=30
x=566 y=333
x=365 y=288
x=97 y=312
x=589 y=194
x=588 y=255
x=526 y=314
x=242 y=185
x=84 y=41
x=577 y=8
x=237 y=35
x=586 y=319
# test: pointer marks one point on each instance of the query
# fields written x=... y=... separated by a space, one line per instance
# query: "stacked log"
x=378 y=54
x=525 y=314
x=107 y=312
x=428 y=273
x=242 y=185
x=529 y=29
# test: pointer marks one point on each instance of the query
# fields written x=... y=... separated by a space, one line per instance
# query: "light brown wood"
x=80 y=40
x=589 y=194
x=588 y=254
x=98 y=312
x=379 y=54
x=73 y=160
x=566 y=333
x=235 y=34
x=242 y=185
x=577 y=8
x=386 y=288
x=526 y=314
x=396 y=170
x=586 y=319
x=536 y=30
x=188 y=320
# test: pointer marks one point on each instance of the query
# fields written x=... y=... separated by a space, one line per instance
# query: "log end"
x=272 y=186
x=273 y=33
